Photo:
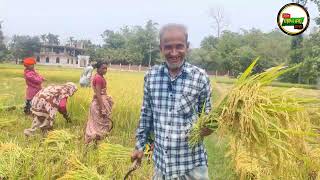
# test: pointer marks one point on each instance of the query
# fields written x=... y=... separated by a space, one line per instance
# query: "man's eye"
x=180 y=46
x=167 y=47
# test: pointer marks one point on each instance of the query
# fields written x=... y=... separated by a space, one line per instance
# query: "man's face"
x=174 y=47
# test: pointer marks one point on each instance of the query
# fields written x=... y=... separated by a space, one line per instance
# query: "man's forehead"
x=174 y=34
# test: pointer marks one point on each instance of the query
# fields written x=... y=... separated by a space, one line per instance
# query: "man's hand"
x=205 y=132
x=137 y=155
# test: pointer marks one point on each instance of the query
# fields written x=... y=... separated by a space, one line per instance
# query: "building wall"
x=57 y=59
x=62 y=59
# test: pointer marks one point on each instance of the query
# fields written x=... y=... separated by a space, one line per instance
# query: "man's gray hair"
x=172 y=26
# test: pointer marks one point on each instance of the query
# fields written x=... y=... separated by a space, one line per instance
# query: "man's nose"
x=174 y=51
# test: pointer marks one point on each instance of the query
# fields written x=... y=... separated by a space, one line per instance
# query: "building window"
x=57 y=60
x=38 y=59
x=68 y=61
x=47 y=59
x=77 y=62
x=71 y=61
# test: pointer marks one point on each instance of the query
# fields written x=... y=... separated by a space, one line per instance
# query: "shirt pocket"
x=187 y=103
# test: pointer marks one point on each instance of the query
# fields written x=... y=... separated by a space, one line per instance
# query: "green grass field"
x=33 y=158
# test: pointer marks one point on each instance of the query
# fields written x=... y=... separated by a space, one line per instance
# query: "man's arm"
x=145 y=123
x=205 y=103
x=34 y=77
x=146 y=119
x=205 y=97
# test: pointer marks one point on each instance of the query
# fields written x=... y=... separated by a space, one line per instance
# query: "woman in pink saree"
x=99 y=122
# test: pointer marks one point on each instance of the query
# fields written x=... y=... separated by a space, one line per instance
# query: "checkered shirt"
x=170 y=107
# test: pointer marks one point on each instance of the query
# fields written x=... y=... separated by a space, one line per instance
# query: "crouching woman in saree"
x=45 y=105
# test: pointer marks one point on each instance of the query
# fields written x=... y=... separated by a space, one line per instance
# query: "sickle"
x=133 y=167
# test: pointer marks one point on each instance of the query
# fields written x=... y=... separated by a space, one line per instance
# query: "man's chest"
x=179 y=96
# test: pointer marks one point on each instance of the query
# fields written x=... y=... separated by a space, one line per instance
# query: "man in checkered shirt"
x=174 y=95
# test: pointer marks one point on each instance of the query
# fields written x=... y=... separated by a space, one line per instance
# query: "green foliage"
x=209 y=42
x=233 y=51
x=131 y=45
x=3 y=48
x=24 y=46
x=50 y=39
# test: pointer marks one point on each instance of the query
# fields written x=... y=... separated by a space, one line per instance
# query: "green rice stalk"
x=58 y=140
x=80 y=171
x=114 y=152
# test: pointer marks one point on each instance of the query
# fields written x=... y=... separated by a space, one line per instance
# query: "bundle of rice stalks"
x=203 y=121
x=80 y=171
x=114 y=152
x=116 y=158
x=13 y=159
x=246 y=165
x=58 y=140
x=272 y=126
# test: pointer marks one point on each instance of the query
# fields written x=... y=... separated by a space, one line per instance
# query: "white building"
x=66 y=56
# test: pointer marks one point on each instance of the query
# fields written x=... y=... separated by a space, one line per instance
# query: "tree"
x=241 y=58
x=113 y=40
x=219 y=19
x=91 y=49
x=228 y=42
x=208 y=60
x=43 y=38
x=296 y=55
x=24 y=46
x=71 y=41
x=139 y=45
x=209 y=42
x=310 y=70
x=3 y=49
x=144 y=40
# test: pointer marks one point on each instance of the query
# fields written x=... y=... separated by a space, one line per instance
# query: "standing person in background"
x=99 y=119
x=85 y=78
x=33 y=81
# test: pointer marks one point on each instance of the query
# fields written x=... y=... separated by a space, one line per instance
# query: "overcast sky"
x=87 y=19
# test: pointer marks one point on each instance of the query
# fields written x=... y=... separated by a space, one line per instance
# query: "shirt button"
x=167 y=137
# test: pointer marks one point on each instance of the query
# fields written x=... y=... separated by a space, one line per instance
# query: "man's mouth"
x=174 y=59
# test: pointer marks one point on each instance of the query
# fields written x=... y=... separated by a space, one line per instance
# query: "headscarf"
x=29 y=61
